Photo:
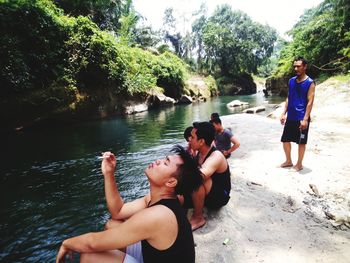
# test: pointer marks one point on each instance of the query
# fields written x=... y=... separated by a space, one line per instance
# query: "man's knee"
x=87 y=257
x=112 y=223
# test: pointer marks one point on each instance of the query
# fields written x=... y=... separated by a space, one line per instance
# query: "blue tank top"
x=297 y=98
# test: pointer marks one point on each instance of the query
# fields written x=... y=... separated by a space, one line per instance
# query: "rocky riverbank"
x=275 y=214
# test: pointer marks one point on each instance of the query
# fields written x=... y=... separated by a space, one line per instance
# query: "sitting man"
x=224 y=139
x=215 y=190
x=187 y=135
x=153 y=228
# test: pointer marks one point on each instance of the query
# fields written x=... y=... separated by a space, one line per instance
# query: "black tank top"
x=182 y=249
x=221 y=179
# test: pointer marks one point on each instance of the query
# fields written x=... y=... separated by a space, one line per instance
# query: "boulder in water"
x=236 y=103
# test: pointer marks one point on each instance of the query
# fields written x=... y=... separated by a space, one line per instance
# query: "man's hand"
x=303 y=124
x=109 y=162
x=283 y=119
x=62 y=254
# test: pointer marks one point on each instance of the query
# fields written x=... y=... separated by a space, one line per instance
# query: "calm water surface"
x=51 y=186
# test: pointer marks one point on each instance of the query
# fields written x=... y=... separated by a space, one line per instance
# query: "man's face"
x=217 y=126
x=160 y=171
x=299 y=67
x=195 y=143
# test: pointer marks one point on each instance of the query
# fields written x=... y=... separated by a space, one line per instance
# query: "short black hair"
x=300 y=58
x=205 y=130
x=216 y=120
x=189 y=177
x=187 y=132
x=214 y=115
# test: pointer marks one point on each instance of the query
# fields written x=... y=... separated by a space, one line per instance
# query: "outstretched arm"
x=115 y=203
x=152 y=223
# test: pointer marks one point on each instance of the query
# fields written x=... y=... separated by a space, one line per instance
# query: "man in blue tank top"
x=296 y=114
x=153 y=228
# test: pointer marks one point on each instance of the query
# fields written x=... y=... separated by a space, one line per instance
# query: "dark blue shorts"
x=292 y=133
x=216 y=198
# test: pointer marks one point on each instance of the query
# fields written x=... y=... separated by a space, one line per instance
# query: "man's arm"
x=147 y=224
x=235 y=145
x=115 y=203
x=214 y=163
x=310 y=102
x=283 y=115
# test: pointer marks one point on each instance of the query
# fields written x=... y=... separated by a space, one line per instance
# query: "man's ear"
x=172 y=182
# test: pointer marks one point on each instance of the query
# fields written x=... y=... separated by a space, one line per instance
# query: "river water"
x=51 y=186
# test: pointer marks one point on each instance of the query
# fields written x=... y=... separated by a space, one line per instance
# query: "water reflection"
x=51 y=186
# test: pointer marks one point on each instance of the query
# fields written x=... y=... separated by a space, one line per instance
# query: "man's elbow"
x=236 y=145
x=92 y=243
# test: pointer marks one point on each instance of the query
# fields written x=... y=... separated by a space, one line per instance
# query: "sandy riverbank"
x=273 y=215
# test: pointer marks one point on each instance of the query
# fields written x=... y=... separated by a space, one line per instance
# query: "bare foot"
x=286 y=164
x=297 y=168
x=197 y=222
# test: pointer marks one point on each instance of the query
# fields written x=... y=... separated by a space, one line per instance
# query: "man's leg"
x=197 y=220
x=287 y=147
x=114 y=256
x=301 y=153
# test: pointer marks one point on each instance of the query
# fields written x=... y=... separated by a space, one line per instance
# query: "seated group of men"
x=155 y=228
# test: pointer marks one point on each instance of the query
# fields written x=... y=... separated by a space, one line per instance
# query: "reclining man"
x=215 y=190
x=153 y=228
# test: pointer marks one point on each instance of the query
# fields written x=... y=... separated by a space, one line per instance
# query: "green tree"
x=197 y=31
x=105 y=13
x=234 y=43
x=128 y=20
x=170 y=32
x=322 y=36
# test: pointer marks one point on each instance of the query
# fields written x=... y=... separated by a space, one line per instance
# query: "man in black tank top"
x=215 y=190
x=153 y=228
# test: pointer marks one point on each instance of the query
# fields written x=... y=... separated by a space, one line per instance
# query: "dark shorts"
x=292 y=133
x=216 y=198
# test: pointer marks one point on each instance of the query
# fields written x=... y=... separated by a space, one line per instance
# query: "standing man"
x=224 y=139
x=298 y=108
x=215 y=190
x=153 y=228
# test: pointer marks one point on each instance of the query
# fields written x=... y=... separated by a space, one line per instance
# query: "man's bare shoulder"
x=155 y=215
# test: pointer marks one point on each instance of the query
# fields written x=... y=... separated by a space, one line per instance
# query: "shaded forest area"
x=72 y=57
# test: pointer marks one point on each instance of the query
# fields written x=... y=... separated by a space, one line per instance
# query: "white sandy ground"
x=273 y=215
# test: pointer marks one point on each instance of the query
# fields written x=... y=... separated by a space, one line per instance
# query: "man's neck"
x=220 y=130
x=203 y=151
x=301 y=77
x=157 y=195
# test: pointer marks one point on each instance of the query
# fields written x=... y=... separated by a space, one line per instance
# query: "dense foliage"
x=322 y=35
x=50 y=61
x=234 y=43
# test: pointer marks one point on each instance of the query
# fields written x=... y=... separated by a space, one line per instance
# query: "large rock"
x=185 y=99
x=237 y=103
x=242 y=84
x=135 y=108
x=255 y=109
x=276 y=114
x=162 y=100
x=277 y=86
